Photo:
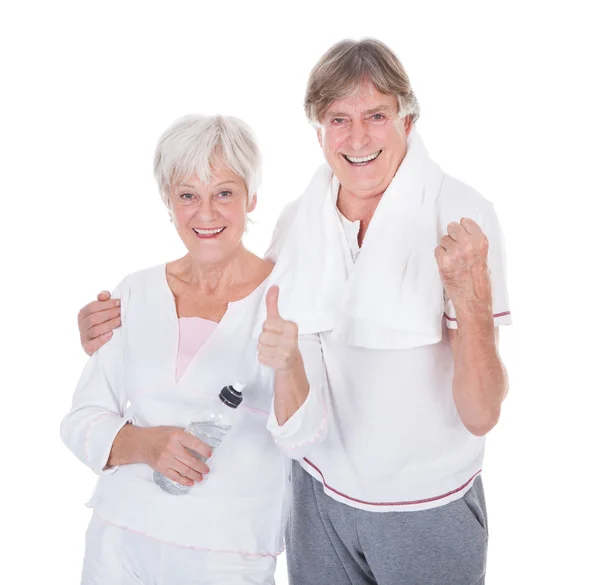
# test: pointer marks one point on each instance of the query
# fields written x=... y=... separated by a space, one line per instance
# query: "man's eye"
x=337 y=121
x=378 y=117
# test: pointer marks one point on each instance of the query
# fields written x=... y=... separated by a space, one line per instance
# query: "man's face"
x=363 y=140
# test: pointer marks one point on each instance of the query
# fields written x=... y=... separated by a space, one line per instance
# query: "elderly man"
x=399 y=268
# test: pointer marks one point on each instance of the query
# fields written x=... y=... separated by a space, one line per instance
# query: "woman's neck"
x=239 y=270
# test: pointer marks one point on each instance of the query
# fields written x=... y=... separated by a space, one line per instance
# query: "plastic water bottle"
x=210 y=427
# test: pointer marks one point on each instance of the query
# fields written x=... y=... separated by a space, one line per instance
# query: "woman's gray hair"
x=346 y=65
x=195 y=142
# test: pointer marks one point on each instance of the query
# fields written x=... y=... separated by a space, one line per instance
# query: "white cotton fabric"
x=241 y=506
x=395 y=441
x=386 y=300
x=117 y=556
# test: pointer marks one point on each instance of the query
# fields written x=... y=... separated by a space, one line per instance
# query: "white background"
x=509 y=104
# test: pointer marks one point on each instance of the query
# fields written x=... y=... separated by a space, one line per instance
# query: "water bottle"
x=210 y=427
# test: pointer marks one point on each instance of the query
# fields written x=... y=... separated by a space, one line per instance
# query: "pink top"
x=193 y=333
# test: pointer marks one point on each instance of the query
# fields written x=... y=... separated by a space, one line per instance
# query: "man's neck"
x=356 y=208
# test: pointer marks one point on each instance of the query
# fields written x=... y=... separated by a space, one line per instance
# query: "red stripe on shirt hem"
x=413 y=502
x=495 y=315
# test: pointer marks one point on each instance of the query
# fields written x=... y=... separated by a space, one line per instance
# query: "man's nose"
x=359 y=134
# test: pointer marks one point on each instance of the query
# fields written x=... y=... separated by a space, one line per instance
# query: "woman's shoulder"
x=263 y=271
x=142 y=280
x=258 y=275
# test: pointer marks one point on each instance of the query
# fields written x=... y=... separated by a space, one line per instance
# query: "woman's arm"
x=98 y=410
x=165 y=449
x=306 y=426
x=290 y=390
x=298 y=418
x=101 y=435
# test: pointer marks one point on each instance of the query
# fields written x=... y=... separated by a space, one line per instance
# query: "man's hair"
x=194 y=143
x=346 y=65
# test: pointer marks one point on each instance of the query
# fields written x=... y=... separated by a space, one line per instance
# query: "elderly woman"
x=190 y=327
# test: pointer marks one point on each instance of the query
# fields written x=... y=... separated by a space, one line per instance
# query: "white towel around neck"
x=392 y=297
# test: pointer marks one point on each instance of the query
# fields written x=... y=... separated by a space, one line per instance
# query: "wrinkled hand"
x=462 y=261
x=97 y=320
x=167 y=452
x=278 y=342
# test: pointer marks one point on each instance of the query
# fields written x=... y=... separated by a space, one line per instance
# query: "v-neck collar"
x=232 y=310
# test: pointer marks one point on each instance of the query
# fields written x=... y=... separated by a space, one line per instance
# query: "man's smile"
x=361 y=160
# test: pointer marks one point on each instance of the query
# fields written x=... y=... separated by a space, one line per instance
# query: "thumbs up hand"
x=278 y=342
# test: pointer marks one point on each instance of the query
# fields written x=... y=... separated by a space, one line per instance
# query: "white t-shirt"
x=395 y=441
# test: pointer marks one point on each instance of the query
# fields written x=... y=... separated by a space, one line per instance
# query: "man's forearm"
x=480 y=381
x=291 y=390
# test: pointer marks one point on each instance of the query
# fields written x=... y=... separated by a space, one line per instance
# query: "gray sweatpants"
x=330 y=543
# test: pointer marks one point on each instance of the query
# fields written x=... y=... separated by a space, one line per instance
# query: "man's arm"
x=282 y=229
x=97 y=320
x=480 y=381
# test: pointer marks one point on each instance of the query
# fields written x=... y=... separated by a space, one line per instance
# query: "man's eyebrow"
x=381 y=108
x=336 y=114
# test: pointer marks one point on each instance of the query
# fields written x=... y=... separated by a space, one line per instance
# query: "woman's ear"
x=252 y=204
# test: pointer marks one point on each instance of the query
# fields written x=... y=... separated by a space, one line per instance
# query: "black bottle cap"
x=232 y=395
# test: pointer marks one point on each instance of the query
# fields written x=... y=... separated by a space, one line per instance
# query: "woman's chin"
x=202 y=253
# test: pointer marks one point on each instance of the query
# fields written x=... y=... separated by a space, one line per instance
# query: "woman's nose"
x=206 y=210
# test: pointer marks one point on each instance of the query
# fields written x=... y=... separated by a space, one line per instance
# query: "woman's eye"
x=186 y=196
x=224 y=194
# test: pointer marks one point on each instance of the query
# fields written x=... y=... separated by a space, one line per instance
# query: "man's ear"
x=320 y=136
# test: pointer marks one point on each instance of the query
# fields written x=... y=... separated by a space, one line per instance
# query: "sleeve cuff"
x=304 y=427
x=99 y=439
x=500 y=318
x=292 y=425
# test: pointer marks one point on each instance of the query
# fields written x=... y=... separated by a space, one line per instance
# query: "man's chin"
x=363 y=187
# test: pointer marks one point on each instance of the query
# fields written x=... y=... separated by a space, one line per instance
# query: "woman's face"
x=211 y=218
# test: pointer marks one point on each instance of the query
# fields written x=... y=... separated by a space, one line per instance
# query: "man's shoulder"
x=282 y=228
x=321 y=177
x=457 y=200
x=288 y=213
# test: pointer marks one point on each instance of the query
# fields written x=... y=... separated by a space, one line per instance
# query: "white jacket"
x=241 y=506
